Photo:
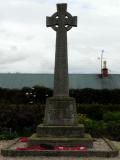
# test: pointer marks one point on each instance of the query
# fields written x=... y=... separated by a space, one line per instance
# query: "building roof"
x=76 y=81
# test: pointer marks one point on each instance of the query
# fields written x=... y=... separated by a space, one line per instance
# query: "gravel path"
x=4 y=143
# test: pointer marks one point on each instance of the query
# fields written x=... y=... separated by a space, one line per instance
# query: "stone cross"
x=61 y=22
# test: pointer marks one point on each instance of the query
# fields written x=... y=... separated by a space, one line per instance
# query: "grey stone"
x=61 y=22
x=60 y=111
x=10 y=152
x=60 y=131
x=60 y=126
x=86 y=141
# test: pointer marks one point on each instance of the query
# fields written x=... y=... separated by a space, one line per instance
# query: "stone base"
x=60 y=131
x=60 y=111
x=98 y=150
x=87 y=141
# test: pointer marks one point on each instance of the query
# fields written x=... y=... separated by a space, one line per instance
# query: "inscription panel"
x=60 y=112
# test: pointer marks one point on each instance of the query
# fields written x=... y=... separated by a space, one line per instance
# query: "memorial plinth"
x=60 y=126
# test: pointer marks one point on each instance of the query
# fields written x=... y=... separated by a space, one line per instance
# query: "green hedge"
x=111 y=116
x=90 y=96
x=18 y=117
x=39 y=94
x=109 y=129
x=98 y=119
x=25 y=95
x=96 y=111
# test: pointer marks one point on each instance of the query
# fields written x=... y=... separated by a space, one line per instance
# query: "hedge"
x=25 y=118
x=96 y=111
x=26 y=115
x=100 y=128
x=39 y=94
x=25 y=95
x=90 y=96
x=18 y=117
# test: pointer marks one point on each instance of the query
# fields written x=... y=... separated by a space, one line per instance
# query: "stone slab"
x=97 y=151
x=60 y=131
x=60 y=111
x=87 y=141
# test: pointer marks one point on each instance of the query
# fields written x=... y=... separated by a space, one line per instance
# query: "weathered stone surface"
x=61 y=22
x=109 y=151
x=60 y=131
x=60 y=141
x=60 y=126
x=60 y=111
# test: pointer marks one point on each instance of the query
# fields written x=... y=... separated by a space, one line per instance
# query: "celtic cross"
x=61 y=22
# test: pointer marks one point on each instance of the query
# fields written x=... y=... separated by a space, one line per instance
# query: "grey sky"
x=27 y=45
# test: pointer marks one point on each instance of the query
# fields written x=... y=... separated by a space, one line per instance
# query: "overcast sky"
x=28 y=46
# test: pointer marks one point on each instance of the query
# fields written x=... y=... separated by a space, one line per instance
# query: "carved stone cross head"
x=61 y=20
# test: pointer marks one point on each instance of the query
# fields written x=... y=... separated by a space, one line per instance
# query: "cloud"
x=26 y=45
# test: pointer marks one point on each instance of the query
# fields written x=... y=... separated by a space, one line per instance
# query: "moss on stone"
x=61 y=98
x=85 y=138
x=51 y=126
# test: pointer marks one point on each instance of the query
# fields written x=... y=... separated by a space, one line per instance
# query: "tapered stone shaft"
x=61 y=65
x=61 y=22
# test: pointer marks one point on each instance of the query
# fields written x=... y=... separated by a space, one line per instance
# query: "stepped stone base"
x=60 y=126
x=87 y=141
x=60 y=131
x=102 y=148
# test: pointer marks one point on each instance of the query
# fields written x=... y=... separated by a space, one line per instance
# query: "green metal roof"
x=76 y=81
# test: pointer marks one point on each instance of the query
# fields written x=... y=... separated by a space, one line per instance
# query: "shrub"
x=96 y=111
x=20 y=116
x=7 y=136
x=96 y=128
x=26 y=95
x=90 y=96
x=111 y=116
x=29 y=115
x=113 y=129
x=40 y=93
x=110 y=129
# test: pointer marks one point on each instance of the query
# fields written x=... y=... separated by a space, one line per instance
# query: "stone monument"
x=61 y=109
x=60 y=125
